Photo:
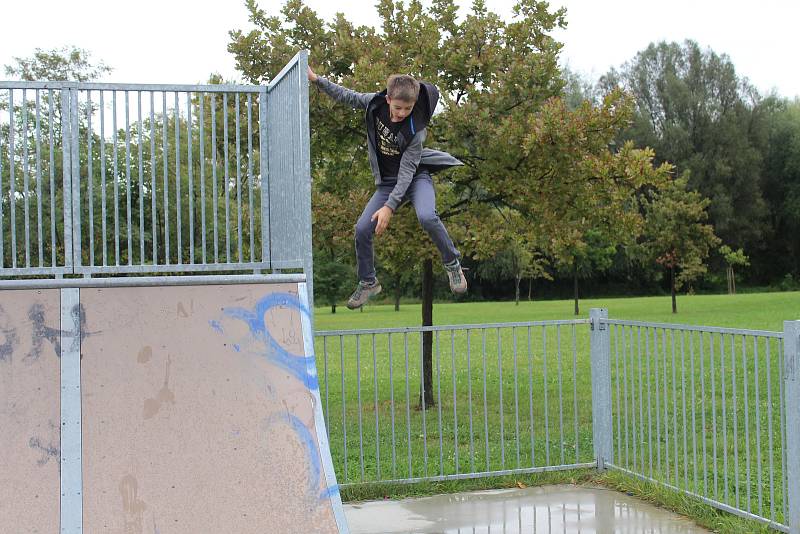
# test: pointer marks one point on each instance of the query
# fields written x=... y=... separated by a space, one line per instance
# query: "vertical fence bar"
x=2 y=225
x=153 y=179
x=649 y=395
x=344 y=404
x=391 y=400
x=617 y=378
x=190 y=171
x=485 y=404
x=757 y=394
x=129 y=212
x=602 y=419
x=424 y=404
x=90 y=173
x=115 y=168
x=74 y=234
x=25 y=178
x=516 y=393
x=769 y=433
x=165 y=157
x=658 y=399
x=227 y=178
x=250 y=209
x=214 y=195
x=11 y=158
x=201 y=105
x=684 y=422
x=360 y=415
x=178 y=214
x=263 y=140
x=791 y=361
x=238 y=180
x=53 y=234
x=692 y=404
x=560 y=394
x=141 y=175
x=746 y=422
x=439 y=401
x=455 y=398
x=40 y=248
x=734 y=409
x=625 y=393
x=375 y=396
x=408 y=407
x=724 y=418
x=469 y=404
x=713 y=372
x=502 y=407
x=544 y=389
x=530 y=398
x=575 y=391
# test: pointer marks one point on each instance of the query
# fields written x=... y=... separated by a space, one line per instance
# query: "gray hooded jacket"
x=415 y=158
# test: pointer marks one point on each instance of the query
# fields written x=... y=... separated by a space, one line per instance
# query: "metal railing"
x=108 y=179
x=501 y=399
x=709 y=412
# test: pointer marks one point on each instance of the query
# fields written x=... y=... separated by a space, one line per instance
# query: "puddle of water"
x=560 y=509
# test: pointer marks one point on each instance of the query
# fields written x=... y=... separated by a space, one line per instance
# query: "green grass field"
x=513 y=398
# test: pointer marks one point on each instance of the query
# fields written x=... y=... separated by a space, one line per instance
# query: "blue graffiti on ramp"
x=301 y=367
x=312 y=453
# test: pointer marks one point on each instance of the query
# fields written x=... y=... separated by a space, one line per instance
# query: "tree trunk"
x=530 y=285
x=730 y=286
x=398 y=292
x=517 y=281
x=426 y=389
x=672 y=289
x=733 y=280
x=575 y=282
x=333 y=308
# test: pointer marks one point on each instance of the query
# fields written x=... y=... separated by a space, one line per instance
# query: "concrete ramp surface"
x=200 y=414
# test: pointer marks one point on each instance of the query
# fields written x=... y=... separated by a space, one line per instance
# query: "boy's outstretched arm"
x=341 y=94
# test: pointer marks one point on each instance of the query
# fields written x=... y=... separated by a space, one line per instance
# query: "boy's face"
x=399 y=109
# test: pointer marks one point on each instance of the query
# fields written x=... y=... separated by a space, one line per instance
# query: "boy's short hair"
x=402 y=87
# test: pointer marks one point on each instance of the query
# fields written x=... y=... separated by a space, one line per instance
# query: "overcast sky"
x=183 y=41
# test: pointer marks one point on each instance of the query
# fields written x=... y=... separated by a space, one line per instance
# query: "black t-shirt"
x=389 y=154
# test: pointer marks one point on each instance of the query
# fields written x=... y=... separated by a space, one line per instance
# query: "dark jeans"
x=423 y=196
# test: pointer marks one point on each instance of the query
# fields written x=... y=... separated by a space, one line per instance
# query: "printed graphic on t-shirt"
x=387 y=139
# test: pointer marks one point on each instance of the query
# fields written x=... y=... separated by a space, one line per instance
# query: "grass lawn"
x=514 y=398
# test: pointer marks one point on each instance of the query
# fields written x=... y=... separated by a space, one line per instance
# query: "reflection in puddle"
x=547 y=510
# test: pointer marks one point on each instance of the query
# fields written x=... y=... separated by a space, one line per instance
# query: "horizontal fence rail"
x=115 y=179
x=500 y=399
x=701 y=410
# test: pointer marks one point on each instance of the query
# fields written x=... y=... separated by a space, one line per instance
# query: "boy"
x=396 y=128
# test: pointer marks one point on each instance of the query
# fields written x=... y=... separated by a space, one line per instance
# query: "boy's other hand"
x=312 y=77
x=383 y=215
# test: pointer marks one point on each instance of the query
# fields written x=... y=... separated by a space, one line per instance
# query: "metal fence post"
x=791 y=352
x=601 y=387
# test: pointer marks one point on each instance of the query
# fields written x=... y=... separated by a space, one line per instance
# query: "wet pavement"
x=563 y=509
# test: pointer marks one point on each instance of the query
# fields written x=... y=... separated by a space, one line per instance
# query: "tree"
x=733 y=258
x=698 y=114
x=68 y=63
x=675 y=234
x=524 y=150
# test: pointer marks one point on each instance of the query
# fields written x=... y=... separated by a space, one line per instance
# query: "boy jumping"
x=396 y=128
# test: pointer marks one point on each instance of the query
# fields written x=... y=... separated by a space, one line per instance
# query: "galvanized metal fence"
x=505 y=399
x=709 y=412
x=110 y=179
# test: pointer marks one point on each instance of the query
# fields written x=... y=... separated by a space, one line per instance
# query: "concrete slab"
x=564 y=509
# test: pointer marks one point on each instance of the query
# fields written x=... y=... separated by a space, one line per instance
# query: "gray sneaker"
x=362 y=294
x=458 y=283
